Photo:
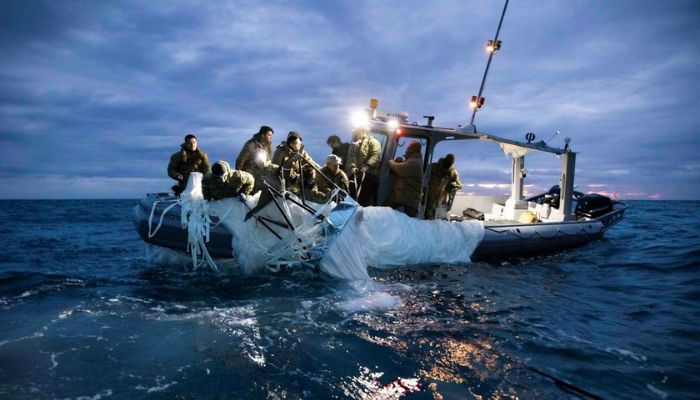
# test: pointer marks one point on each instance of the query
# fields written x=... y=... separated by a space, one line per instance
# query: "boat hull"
x=171 y=234
x=500 y=240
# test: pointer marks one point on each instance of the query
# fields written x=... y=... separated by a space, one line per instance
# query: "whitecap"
x=657 y=391
x=626 y=353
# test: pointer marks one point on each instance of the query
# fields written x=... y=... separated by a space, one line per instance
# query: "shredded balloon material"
x=341 y=239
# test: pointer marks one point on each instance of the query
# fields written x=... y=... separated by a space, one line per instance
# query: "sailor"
x=224 y=182
x=190 y=158
x=340 y=149
x=311 y=192
x=407 y=189
x=267 y=175
x=444 y=182
x=333 y=172
x=259 y=146
x=291 y=156
x=264 y=171
x=363 y=167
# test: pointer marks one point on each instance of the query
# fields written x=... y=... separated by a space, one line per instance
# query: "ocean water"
x=85 y=316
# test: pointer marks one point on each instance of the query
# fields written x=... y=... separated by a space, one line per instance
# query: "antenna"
x=552 y=137
x=492 y=46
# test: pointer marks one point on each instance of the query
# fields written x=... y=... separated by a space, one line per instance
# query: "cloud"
x=99 y=91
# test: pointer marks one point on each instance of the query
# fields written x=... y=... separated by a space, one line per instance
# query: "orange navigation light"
x=477 y=102
x=492 y=46
x=398 y=131
x=373 y=103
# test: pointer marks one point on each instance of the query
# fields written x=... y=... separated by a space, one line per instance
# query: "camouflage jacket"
x=185 y=161
x=312 y=194
x=339 y=178
x=230 y=184
x=365 y=153
x=266 y=172
x=285 y=157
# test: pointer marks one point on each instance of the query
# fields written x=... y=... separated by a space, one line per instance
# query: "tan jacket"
x=339 y=178
x=312 y=194
x=285 y=157
x=439 y=179
x=365 y=153
x=249 y=153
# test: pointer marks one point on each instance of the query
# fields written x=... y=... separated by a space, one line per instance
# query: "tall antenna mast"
x=492 y=47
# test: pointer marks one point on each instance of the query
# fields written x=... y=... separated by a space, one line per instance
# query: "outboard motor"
x=593 y=205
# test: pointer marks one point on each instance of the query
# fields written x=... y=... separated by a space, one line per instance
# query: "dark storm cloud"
x=103 y=92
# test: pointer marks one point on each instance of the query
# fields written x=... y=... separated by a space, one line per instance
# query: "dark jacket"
x=342 y=152
x=185 y=161
x=407 y=189
x=249 y=152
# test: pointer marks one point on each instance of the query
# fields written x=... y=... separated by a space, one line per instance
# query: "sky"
x=96 y=95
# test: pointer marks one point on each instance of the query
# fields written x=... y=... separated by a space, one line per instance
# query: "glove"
x=364 y=169
x=242 y=197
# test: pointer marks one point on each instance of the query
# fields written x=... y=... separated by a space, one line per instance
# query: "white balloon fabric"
x=379 y=237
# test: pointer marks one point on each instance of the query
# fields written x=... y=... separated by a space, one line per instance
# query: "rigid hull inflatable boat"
x=513 y=225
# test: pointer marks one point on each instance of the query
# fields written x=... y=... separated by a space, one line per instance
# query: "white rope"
x=162 y=215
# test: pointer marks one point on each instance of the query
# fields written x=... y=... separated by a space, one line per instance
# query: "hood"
x=225 y=167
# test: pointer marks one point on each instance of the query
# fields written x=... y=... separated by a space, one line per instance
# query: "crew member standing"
x=340 y=149
x=444 y=181
x=407 y=190
x=363 y=165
